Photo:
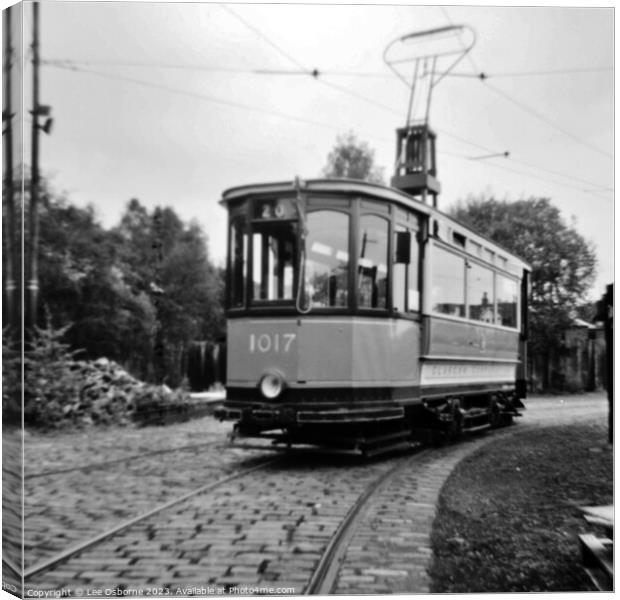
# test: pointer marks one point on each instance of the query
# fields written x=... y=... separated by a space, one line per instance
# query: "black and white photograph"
x=306 y=299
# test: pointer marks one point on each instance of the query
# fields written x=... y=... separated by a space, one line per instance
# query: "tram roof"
x=346 y=186
x=368 y=189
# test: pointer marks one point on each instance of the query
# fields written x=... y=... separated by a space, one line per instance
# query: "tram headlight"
x=271 y=385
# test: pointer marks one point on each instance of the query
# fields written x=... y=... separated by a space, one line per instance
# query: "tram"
x=360 y=316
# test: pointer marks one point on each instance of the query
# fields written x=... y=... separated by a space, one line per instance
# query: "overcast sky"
x=162 y=101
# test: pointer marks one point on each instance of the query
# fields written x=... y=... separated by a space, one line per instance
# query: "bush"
x=11 y=380
x=49 y=380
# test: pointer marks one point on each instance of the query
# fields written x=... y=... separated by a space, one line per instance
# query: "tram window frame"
x=438 y=250
x=517 y=304
x=367 y=210
x=262 y=228
x=237 y=271
x=409 y=304
x=399 y=275
x=489 y=305
x=496 y=273
x=342 y=291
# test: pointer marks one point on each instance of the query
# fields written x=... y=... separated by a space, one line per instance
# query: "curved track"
x=326 y=573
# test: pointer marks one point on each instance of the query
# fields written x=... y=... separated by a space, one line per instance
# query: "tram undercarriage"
x=369 y=431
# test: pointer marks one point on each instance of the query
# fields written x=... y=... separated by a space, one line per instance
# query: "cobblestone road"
x=65 y=508
x=269 y=528
x=391 y=551
x=11 y=508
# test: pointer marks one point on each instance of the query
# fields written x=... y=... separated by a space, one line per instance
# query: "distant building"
x=578 y=366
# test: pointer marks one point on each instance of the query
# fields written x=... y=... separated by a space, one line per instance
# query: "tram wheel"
x=455 y=431
x=455 y=427
x=495 y=416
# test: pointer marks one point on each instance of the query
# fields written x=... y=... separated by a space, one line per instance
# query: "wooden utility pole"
x=8 y=195
x=605 y=313
x=159 y=349
x=33 y=214
x=609 y=344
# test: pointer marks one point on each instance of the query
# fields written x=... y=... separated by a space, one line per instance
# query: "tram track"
x=303 y=520
x=334 y=543
x=85 y=545
x=116 y=461
x=354 y=506
x=325 y=575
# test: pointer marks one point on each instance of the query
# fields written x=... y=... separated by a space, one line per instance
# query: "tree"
x=167 y=260
x=353 y=159
x=563 y=262
x=142 y=287
x=83 y=283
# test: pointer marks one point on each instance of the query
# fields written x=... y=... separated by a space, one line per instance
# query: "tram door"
x=406 y=299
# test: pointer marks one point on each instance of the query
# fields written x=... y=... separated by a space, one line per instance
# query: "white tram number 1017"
x=276 y=342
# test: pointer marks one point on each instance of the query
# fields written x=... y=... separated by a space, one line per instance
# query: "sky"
x=173 y=103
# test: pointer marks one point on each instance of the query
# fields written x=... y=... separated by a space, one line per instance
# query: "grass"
x=507 y=519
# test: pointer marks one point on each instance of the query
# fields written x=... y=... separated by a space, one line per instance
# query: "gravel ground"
x=59 y=449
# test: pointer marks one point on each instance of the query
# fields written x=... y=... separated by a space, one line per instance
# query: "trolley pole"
x=8 y=196
x=33 y=215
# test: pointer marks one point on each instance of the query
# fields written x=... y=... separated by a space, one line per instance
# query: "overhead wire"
x=514 y=159
x=573 y=71
x=303 y=68
x=469 y=56
x=483 y=77
x=595 y=192
x=302 y=71
x=68 y=63
x=306 y=72
x=242 y=106
x=263 y=37
x=199 y=96
x=529 y=110
x=520 y=172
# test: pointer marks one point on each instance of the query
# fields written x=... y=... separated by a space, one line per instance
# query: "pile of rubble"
x=105 y=393
x=98 y=392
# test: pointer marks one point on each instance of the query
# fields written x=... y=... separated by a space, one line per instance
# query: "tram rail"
x=325 y=575
x=104 y=464
x=76 y=549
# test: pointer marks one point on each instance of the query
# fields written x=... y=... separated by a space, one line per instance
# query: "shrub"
x=60 y=390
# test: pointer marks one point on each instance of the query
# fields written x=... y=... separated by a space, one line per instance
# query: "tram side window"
x=507 y=301
x=372 y=262
x=327 y=258
x=238 y=261
x=448 y=283
x=480 y=297
x=273 y=252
